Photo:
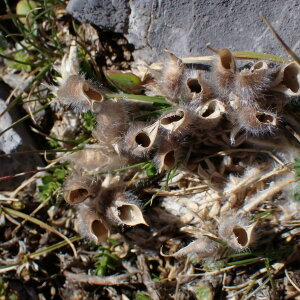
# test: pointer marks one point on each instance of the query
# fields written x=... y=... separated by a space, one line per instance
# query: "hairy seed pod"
x=95 y=158
x=256 y=122
x=78 y=93
x=287 y=80
x=236 y=231
x=92 y=225
x=224 y=70
x=125 y=213
x=139 y=141
x=202 y=247
x=177 y=121
x=79 y=188
x=251 y=84
x=197 y=88
x=167 y=155
x=111 y=121
x=211 y=113
x=120 y=207
x=171 y=78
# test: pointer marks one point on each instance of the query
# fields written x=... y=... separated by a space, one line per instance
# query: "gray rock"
x=185 y=26
x=16 y=147
x=108 y=14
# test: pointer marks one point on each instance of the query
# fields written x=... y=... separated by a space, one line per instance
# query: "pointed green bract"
x=124 y=81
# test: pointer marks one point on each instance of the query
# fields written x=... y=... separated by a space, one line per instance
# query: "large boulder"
x=185 y=26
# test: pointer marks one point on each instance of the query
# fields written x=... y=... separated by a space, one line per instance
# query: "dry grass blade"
x=39 y=223
x=291 y=281
x=280 y=40
x=123 y=279
x=147 y=280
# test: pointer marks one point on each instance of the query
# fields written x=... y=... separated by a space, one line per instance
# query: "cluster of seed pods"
x=239 y=103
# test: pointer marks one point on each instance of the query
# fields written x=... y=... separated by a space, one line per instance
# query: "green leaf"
x=47 y=179
x=21 y=57
x=25 y=8
x=124 y=81
x=60 y=173
x=259 y=56
x=89 y=121
x=154 y=100
x=142 y=296
x=151 y=169
x=114 y=242
x=203 y=292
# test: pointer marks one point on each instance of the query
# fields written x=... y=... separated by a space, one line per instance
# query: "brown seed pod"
x=251 y=84
x=224 y=70
x=168 y=154
x=236 y=231
x=139 y=140
x=111 y=121
x=177 y=120
x=211 y=113
x=170 y=81
x=96 y=157
x=125 y=213
x=197 y=88
x=78 y=188
x=78 y=93
x=203 y=247
x=287 y=80
x=254 y=121
x=92 y=225
x=120 y=207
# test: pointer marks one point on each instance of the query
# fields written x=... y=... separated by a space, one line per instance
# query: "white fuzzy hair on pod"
x=236 y=230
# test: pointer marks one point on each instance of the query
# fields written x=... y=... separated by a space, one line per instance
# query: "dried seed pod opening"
x=76 y=196
x=91 y=224
x=196 y=89
x=241 y=235
x=291 y=77
x=172 y=118
x=266 y=118
x=236 y=232
x=99 y=230
x=194 y=85
x=288 y=80
x=168 y=153
x=211 y=113
x=224 y=71
x=78 y=188
x=176 y=120
x=78 y=93
x=226 y=59
x=139 y=140
x=260 y=65
x=130 y=214
x=254 y=121
x=142 y=139
x=92 y=93
x=167 y=159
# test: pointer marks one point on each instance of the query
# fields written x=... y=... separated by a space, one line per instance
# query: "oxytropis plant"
x=227 y=129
